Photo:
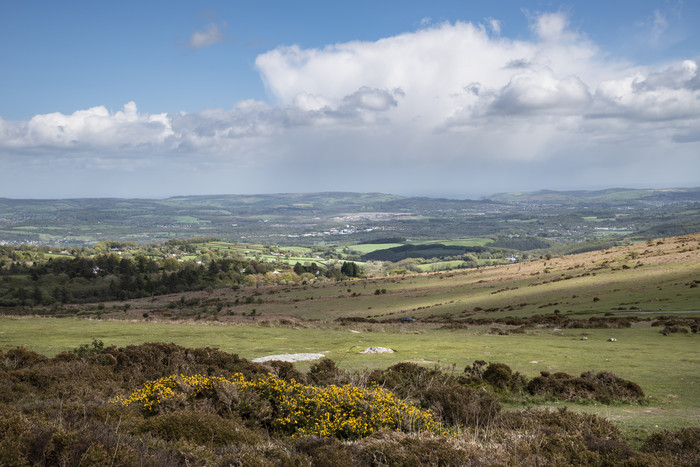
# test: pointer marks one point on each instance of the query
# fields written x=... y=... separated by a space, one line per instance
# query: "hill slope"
x=654 y=276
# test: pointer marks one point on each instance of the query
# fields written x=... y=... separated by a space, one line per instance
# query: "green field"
x=297 y=249
x=370 y=247
x=292 y=260
x=440 y=266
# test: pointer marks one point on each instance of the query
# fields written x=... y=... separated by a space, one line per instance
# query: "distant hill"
x=609 y=196
x=556 y=217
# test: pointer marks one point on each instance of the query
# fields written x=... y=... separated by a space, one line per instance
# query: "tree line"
x=107 y=277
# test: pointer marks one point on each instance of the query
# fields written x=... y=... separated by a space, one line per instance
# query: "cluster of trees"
x=109 y=276
x=350 y=269
x=311 y=269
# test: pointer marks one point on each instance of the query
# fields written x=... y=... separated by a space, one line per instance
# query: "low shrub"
x=405 y=379
x=564 y=437
x=346 y=412
x=668 y=321
x=497 y=375
x=673 y=329
x=683 y=446
x=323 y=372
x=198 y=427
x=285 y=370
x=85 y=350
x=603 y=387
x=409 y=450
x=556 y=320
x=559 y=422
x=32 y=439
x=448 y=396
x=14 y=441
x=154 y=360
x=461 y=405
x=21 y=357
x=325 y=451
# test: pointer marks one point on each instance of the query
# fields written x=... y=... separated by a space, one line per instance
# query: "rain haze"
x=451 y=99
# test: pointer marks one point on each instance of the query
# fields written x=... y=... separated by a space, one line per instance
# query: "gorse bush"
x=345 y=412
x=84 y=350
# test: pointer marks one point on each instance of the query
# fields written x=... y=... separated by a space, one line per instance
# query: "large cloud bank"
x=454 y=95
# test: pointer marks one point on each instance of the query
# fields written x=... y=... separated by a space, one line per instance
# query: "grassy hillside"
x=655 y=276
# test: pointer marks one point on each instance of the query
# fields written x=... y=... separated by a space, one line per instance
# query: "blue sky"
x=459 y=99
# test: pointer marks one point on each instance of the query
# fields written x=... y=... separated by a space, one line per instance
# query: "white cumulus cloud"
x=96 y=127
x=663 y=95
x=541 y=90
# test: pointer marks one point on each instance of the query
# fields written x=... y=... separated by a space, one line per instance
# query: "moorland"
x=508 y=351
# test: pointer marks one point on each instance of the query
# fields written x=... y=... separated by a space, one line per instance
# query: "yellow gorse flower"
x=346 y=412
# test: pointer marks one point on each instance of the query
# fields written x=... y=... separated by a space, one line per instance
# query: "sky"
x=457 y=99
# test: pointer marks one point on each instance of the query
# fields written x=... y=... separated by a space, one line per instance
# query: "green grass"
x=304 y=260
x=440 y=266
x=231 y=246
x=365 y=248
x=57 y=255
x=186 y=220
x=297 y=249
